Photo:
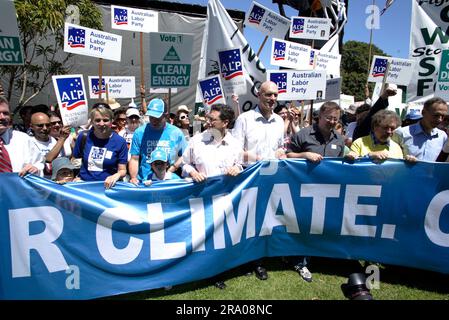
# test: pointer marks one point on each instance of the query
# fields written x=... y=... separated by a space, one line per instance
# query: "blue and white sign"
x=299 y=85
x=72 y=99
x=132 y=19
x=211 y=90
x=118 y=87
x=310 y=28
x=290 y=55
x=267 y=21
x=80 y=241
x=400 y=70
x=232 y=71
x=91 y=42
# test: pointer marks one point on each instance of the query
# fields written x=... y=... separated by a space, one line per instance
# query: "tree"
x=354 y=68
x=41 y=29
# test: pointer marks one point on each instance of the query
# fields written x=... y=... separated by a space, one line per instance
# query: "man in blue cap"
x=155 y=134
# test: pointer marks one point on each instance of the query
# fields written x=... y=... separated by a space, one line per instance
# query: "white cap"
x=132 y=112
x=183 y=107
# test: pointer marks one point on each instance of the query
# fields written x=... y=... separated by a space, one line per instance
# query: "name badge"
x=333 y=146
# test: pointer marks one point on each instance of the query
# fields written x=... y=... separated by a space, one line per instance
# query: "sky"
x=392 y=35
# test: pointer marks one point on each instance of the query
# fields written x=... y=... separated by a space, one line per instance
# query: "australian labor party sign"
x=442 y=87
x=299 y=85
x=72 y=99
x=268 y=22
x=117 y=87
x=91 y=42
x=310 y=28
x=170 y=59
x=10 y=46
x=395 y=70
x=232 y=71
x=211 y=90
x=133 y=19
x=290 y=55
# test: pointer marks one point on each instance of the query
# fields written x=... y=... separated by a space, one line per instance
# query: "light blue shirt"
x=416 y=142
x=146 y=139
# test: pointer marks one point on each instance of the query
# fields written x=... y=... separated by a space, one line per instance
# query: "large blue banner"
x=78 y=241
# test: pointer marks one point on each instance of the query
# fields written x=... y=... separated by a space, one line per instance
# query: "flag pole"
x=142 y=75
x=100 y=75
x=262 y=45
x=370 y=45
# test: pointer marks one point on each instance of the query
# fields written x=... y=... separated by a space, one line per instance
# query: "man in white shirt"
x=261 y=135
x=18 y=146
x=261 y=131
x=215 y=151
x=43 y=143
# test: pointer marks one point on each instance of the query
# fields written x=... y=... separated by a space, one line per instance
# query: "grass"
x=396 y=283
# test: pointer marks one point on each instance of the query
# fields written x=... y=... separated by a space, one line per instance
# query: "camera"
x=355 y=288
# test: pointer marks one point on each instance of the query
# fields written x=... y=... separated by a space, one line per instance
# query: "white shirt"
x=210 y=157
x=20 y=149
x=258 y=135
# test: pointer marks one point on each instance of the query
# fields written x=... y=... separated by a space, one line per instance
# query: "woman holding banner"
x=104 y=153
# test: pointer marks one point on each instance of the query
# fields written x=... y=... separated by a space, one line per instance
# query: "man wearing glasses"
x=314 y=143
x=16 y=147
x=43 y=143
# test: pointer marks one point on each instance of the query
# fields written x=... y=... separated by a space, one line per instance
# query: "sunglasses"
x=56 y=122
x=182 y=117
x=41 y=125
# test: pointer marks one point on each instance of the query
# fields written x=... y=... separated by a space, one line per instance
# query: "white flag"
x=225 y=34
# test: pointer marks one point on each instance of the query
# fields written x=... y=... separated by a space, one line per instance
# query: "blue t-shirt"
x=146 y=139
x=101 y=157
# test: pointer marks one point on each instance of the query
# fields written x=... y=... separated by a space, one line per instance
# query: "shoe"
x=220 y=285
x=261 y=273
x=304 y=273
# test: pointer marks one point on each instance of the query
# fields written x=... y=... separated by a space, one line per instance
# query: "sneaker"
x=304 y=273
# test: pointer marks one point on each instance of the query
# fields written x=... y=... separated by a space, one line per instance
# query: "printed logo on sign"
x=312 y=58
x=280 y=78
x=96 y=87
x=231 y=64
x=256 y=15
x=211 y=90
x=98 y=153
x=171 y=55
x=380 y=66
x=298 y=26
x=71 y=91
x=120 y=16
x=77 y=37
x=279 y=50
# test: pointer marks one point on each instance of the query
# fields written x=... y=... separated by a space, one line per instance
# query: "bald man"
x=43 y=143
x=261 y=134
x=261 y=131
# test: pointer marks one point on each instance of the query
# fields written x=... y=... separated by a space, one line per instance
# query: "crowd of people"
x=151 y=144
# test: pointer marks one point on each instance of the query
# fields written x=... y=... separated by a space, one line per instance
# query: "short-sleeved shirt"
x=416 y=142
x=259 y=135
x=101 y=157
x=363 y=146
x=146 y=139
x=310 y=139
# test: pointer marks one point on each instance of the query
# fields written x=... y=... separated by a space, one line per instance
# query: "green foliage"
x=354 y=68
x=41 y=27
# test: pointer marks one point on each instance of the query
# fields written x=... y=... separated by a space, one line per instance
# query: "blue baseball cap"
x=156 y=108
x=158 y=155
x=413 y=114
